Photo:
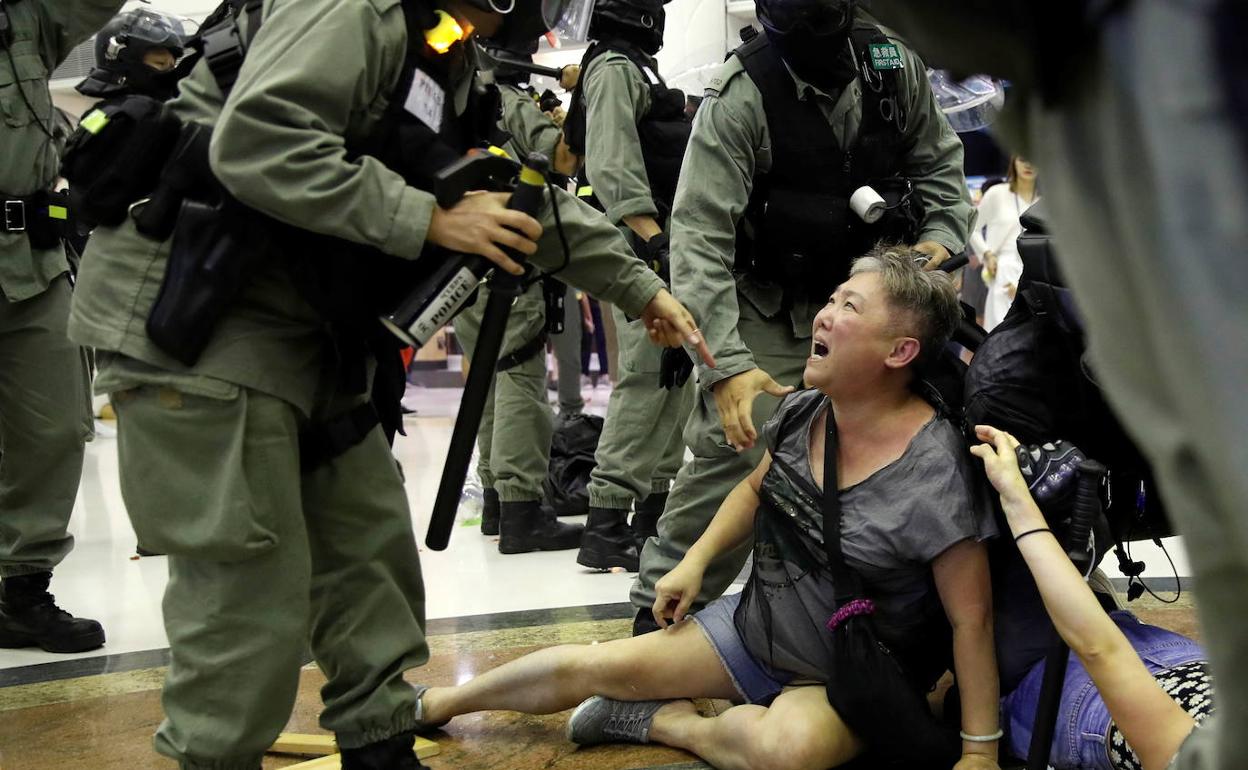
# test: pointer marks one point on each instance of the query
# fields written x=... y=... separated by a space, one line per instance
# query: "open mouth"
x=818 y=350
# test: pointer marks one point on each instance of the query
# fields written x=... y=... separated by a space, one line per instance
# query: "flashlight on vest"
x=445 y=33
x=438 y=298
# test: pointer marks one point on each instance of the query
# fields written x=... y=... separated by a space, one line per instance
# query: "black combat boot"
x=29 y=617
x=397 y=753
x=608 y=541
x=526 y=526
x=646 y=519
x=489 y=512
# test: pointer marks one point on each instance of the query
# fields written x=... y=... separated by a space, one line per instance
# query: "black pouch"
x=207 y=266
x=47 y=219
x=116 y=154
x=866 y=683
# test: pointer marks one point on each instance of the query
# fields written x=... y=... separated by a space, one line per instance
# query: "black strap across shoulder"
x=845 y=580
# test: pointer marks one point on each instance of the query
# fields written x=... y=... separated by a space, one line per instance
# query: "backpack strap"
x=225 y=45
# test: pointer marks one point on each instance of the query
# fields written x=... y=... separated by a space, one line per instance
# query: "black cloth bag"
x=572 y=450
x=866 y=685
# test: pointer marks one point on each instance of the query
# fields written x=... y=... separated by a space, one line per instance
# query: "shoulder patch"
x=726 y=72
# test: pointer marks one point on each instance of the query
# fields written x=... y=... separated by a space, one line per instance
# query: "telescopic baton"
x=504 y=289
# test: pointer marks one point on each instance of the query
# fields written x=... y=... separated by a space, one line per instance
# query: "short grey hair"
x=927 y=300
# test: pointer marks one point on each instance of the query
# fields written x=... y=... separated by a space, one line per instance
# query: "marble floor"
x=99 y=709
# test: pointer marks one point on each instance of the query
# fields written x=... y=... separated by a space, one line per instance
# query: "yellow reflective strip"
x=584 y=191
x=499 y=151
x=94 y=121
x=58 y=212
x=531 y=176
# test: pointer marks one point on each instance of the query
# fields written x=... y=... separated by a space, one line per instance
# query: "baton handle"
x=504 y=288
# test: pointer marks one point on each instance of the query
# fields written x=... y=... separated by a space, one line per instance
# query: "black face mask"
x=822 y=60
x=150 y=82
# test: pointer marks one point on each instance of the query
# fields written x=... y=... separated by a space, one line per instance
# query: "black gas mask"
x=811 y=36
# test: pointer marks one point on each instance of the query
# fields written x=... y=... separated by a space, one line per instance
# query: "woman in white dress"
x=995 y=235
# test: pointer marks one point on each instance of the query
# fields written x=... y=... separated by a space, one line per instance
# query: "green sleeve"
x=601 y=261
x=279 y=145
x=531 y=129
x=723 y=155
x=69 y=22
x=934 y=162
x=616 y=98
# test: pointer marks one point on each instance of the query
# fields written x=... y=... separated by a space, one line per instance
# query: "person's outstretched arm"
x=733 y=525
x=1153 y=724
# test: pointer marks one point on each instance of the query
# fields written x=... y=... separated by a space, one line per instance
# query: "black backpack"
x=572 y=449
x=1031 y=377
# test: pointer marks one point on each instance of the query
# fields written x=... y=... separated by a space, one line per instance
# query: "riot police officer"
x=45 y=405
x=632 y=130
x=249 y=452
x=137 y=53
x=514 y=440
x=822 y=106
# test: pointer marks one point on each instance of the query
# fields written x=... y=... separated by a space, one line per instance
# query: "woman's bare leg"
x=799 y=731
x=676 y=663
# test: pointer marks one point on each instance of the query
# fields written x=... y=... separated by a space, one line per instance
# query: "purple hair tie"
x=850 y=609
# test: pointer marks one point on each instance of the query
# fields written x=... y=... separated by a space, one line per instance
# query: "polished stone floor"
x=105 y=721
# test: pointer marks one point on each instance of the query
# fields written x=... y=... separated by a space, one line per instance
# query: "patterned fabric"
x=1190 y=685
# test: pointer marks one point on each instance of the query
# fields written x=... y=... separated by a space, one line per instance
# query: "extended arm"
x=733 y=525
x=1153 y=724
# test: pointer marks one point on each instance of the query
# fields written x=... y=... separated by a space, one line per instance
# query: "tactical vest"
x=417 y=147
x=798 y=230
x=349 y=284
x=663 y=131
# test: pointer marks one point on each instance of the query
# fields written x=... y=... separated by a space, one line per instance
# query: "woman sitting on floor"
x=913 y=521
x=1135 y=691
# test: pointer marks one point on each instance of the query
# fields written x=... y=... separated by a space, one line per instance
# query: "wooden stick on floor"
x=326 y=748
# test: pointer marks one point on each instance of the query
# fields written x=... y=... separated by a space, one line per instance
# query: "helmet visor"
x=157 y=29
x=568 y=19
x=819 y=17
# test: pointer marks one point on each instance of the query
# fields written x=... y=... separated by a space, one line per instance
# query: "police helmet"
x=638 y=21
x=120 y=48
x=524 y=21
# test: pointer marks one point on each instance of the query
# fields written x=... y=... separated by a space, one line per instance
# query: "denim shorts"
x=753 y=682
x=1083 y=719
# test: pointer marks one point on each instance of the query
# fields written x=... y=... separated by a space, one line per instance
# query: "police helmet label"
x=886 y=56
x=426 y=100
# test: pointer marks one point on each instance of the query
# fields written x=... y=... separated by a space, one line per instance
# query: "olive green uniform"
x=743 y=320
x=641 y=448
x=45 y=400
x=264 y=557
x=514 y=440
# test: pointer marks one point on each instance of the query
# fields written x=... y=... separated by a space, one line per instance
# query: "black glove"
x=656 y=253
x=547 y=102
x=1050 y=470
x=675 y=368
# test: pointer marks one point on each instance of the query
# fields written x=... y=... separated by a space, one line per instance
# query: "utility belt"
x=804 y=242
x=45 y=217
